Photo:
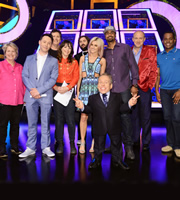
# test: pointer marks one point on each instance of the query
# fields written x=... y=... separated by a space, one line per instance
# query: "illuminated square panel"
x=152 y=38
x=133 y=19
x=65 y=20
x=99 y=34
x=96 y=20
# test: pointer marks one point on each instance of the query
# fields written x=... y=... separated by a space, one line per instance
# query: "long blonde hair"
x=100 y=44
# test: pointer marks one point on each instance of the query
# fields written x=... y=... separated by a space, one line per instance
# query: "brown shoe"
x=166 y=149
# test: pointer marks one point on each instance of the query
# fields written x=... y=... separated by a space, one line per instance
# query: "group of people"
x=112 y=84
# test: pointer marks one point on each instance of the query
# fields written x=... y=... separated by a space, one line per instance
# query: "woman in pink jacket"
x=12 y=92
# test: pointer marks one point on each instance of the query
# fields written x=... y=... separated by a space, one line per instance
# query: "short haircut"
x=171 y=32
x=108 y=75
x=10 y=44
x=100 y=43
x=56 y=31
x=48 y=35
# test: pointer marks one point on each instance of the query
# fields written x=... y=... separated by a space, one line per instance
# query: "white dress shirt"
x=40 y=63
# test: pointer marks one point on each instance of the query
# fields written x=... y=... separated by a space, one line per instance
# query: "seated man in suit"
x=39 y=75
x=105 y=107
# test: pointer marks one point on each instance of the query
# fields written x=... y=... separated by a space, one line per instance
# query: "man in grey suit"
x=39 y=75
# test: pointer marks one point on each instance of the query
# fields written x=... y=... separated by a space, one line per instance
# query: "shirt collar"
x=171 y=51
x=116 y=45
x=139 y=48
x=7 y=63
x=108 y=94
x=39 y=55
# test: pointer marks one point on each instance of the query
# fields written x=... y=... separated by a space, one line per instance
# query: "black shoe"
x=107 y=150
x=15 y=150
x=121 y=164
x=73 y=148
x=60 y=147
x=94 y=164
x=146 y=147
x=129 y=153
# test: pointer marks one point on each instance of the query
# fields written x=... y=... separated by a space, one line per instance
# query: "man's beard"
x=84 y=48
x=110 y=40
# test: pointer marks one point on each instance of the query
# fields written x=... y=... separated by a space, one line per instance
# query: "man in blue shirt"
x=169 y=71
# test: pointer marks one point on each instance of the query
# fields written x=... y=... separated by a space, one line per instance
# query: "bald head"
x=139 y=33
x=138 y=39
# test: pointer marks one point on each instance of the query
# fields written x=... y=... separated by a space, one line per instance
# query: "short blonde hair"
x=10 y=44
x=100 y=44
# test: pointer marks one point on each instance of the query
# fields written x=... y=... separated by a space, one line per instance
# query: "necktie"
x=105 y=99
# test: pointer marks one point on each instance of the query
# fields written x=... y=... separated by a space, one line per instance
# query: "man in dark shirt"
x=56 y=34
x=120 y=63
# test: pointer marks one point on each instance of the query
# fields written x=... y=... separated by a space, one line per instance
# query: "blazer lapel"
x=35 y=65
x=143 y=52
x=99 y=100
x=45 y=65
x=111 y=97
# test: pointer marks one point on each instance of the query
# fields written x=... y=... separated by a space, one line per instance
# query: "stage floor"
x=150 y=168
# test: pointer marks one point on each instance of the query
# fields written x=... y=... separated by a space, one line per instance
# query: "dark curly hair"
x=70 y=57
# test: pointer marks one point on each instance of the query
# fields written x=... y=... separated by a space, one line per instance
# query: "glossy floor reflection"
x=148 y=168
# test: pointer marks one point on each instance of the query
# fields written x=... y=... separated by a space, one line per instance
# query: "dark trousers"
x=126 y=121
x=10 y=114
x=171 y=113
x=141 y=117
x=99 y=146
x=64 y=114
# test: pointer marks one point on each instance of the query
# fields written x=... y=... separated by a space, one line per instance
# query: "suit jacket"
x=46 y=80
x=106 y=119
x=147 y=68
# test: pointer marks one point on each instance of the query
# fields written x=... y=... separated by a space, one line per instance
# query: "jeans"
x=171 y=113
x=126 y=121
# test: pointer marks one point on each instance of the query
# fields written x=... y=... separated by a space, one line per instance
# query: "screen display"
x=100 y=23
x=137 y=23
x=64 y=24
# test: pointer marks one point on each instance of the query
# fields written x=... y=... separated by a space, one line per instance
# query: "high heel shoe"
x=91 y=150
x=82 y=151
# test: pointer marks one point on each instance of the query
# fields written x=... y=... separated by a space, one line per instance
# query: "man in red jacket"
x=146 y=59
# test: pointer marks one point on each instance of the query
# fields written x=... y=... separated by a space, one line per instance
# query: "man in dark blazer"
x=146 y=59
x=105 y=107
